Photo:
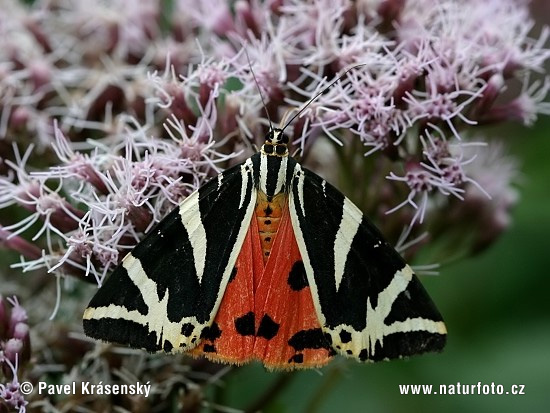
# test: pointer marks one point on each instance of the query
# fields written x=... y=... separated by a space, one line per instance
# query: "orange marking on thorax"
x=268 y=215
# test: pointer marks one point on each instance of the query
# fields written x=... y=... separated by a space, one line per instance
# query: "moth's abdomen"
x=269 y=211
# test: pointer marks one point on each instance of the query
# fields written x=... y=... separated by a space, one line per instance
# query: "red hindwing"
x=267 y=313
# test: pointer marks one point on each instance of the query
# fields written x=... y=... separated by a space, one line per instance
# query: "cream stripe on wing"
x=376 y=328
x=263 y=173
x=156 y=320
x=192 y=221
x=281 y=175
x=351 y=219
x=298 y=171
x=246 y=173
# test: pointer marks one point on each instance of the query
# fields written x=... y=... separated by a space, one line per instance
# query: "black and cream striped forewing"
x=369 y=302
x=167 y=290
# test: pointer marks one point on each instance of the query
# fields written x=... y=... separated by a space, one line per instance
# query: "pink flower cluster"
x=111 y=114
x=14 y=350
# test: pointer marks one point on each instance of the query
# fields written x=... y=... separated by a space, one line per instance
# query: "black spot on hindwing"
x=296 y=358
x=245 y=324
x=209 y=348
x=212 y=332
x=297 y=279
x=313 y=339
x=268 y=328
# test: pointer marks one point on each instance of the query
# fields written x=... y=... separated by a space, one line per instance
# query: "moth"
x=269 y=262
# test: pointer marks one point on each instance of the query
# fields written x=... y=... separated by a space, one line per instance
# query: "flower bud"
x=245 y=14
x=12 y=348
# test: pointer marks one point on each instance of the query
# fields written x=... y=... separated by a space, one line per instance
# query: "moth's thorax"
x=273 y=174
x=274 y=163
x=269 y=211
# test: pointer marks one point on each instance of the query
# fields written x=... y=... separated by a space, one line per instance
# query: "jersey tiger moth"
x=267 y=262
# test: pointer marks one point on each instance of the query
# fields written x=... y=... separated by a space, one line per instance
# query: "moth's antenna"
x=310 y=101
x=259 y=90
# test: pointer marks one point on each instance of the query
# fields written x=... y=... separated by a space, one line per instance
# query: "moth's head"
x=276 y=143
